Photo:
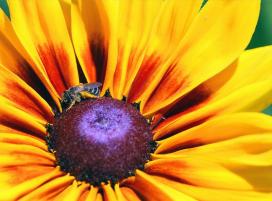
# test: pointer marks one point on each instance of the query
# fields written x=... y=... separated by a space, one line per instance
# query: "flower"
x=184 y=64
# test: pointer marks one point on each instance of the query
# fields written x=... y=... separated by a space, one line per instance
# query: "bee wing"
x=94 y=85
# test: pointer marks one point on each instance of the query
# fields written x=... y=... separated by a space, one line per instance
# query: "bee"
x=75 y=94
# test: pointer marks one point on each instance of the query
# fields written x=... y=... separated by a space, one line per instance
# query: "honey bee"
x=74 y=94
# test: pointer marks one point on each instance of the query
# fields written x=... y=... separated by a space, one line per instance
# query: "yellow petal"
x=238 y=101
x=50 y=189
x=92 y=194
x=154 y=40
x=129 y=38
x=111 y=7
x=66 y=9
x=240 y=149
x=72 y=192
x=26 y=139
x=108 y=193
x=16 y=59
x=228 y=152
x=200 y=171
x=252 y=66
x=164 y=25
x=218 y=129
x=236 y=77
x=247 y=157
x=208 y=194
x=24 y=152
x=147 y=186
x=89 y=34
x=50 y=49
x=11 y=55
x=118 y=193
x=215 y=39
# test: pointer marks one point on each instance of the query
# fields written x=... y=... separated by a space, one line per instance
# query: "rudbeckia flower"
x=134 y=100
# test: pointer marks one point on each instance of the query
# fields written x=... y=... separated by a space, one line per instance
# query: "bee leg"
x=49 y=127
x=71 y=105
x=77 y=98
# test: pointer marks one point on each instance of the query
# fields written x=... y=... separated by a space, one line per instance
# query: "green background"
x=261 y=37
x=263 y=33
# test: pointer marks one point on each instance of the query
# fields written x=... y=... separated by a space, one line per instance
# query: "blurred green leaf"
x=263 y=33
x=4 y=6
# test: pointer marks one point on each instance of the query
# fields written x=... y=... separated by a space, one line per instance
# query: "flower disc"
x=101 y=140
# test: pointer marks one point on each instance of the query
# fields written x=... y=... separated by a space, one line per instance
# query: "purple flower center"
x=101 y=140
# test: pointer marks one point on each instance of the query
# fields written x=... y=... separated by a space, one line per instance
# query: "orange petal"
x=16 y=119
x=129 y=194
x=23 y=96
x=99 y=197
x=12 y=129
